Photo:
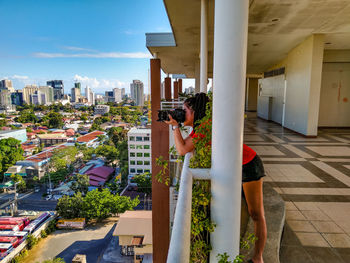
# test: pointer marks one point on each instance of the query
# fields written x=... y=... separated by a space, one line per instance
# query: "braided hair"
x=198 y=104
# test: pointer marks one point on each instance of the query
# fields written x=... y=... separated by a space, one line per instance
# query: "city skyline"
x=99 y=44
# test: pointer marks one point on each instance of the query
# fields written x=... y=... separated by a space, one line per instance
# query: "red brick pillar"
x=176 y=90
x=167 y=88
x=160 y=192
x=180 y=85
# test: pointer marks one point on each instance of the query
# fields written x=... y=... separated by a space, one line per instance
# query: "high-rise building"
x=123 y=93
x=75 y=93
x=136 y=89
x=48 y=98
x=87 y=93
x=17 y=98
x=189 y=90
x=77 y=85
x=117 y=94
x=5 y=98
x=6 y=84
x=58 y=88
x=29 y=90
x=109 y=96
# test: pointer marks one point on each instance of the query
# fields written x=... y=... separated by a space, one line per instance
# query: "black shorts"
x=253 y=171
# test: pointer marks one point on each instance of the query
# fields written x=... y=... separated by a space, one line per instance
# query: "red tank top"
x=248 y=153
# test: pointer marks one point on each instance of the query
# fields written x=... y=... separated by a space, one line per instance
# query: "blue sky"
x=100 y=43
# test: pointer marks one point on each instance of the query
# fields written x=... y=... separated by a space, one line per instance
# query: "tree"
x=80 y=183
x=62 y=158
x=27 y=116
x=21 y=184
x=107 y=151
x=55 y=260
x=10 y=152
x=144 y=183
x=71 y=207
x=54 y=120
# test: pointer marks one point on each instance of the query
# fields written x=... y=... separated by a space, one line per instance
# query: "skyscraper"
x=75 y=93
x=49 y=95
x=136 y=89
x=29 y=90
x=5 y=98
x=17 y=98
x=58 y=88
x=117 y=94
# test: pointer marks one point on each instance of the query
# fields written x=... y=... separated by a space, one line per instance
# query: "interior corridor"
x=313 y=177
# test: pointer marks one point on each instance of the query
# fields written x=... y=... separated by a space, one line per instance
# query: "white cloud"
x=99 y=85
x=78 y=48
x=19 y=77
x=94 y=55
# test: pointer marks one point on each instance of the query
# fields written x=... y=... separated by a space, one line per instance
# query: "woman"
x=252 y=171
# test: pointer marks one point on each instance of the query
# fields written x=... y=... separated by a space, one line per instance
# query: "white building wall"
x=138 y=140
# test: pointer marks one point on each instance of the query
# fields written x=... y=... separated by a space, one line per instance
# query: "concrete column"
x=230 y=52
x=176 y=90
x=180 y=85
x=160 y=192
x=167 y=88
x=197 y=77
x=204 y=47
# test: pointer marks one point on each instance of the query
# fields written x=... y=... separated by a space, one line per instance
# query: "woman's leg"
x=253 y=192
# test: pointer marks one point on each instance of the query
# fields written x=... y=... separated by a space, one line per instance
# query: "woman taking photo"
x=252 y=171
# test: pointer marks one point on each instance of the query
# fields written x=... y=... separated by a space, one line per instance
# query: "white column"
x=197 y=76
x=230 y=52
x=204 y=47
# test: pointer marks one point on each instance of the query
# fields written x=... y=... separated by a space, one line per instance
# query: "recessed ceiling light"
x=275 y=19
x=328 y=43
x=255 y=44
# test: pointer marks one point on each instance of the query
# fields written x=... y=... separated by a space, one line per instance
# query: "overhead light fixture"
x=255 y=44
x=328 y=43
x=275 y=19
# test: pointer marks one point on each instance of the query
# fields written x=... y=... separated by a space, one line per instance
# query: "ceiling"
x=275 y=27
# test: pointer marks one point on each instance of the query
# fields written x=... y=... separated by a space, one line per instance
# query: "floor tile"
x=323 y=255
x=312 y=239
x=294 y=215
x=294 y=254
x=326 y=227
x=267 y=150
x=330 y=151
x=301 y=138
x=253 y=138
x=306 y=206
x=290 y=206
x=338 y=240
x=315 y=215
x=301 y=226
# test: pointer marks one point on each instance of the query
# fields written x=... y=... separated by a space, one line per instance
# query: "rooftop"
x=90 y=136
x=139 y=130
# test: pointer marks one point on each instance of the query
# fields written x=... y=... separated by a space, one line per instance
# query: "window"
x=132 y=162
x=146 y=139
x=146 y=147
x=132 y=154
x=138 y=147
x=132 y=146
x=132 y=170
x=147 y=171
x=139 y=162
x=139 y=154
x=147 y=154
x=138 y=138
x=146 y=162
x=139 y=171
x=132 y=138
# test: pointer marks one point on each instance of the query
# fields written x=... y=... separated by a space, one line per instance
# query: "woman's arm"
x=182 y=145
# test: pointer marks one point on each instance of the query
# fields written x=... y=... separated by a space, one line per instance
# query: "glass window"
x=132 y=138
x=147 y=171
x=132 y=146
x=138 y=138
x=147 y=154
x=146 y=162
x=138 y=147
x=132 y=154
x=132 y=162
x=139 y=162
x=132 y=170
x=139 y=171
x=146 y=139
x=139 y=154
x=146 y=147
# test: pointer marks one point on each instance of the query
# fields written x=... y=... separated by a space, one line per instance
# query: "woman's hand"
x=171 y=121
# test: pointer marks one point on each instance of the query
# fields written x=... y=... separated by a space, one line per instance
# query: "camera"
x=177 y=114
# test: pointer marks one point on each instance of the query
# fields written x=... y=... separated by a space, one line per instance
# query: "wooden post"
x=176 y=90
x=180 y=85
x=160 y=192
x=167 y=88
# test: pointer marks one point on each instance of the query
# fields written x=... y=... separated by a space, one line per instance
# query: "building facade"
x=58 y=88
x=136 y=90
x=101 y=109
x=20 y=135
x=17 y=98
x=27 y=91
x=139 y=147
x=117 y=94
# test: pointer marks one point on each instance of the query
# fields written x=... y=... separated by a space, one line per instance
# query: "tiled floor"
x=313 y=177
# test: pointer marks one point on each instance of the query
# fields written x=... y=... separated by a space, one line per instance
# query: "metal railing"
x=179 y=249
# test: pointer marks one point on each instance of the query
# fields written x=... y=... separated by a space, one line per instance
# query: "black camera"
x=177 y=114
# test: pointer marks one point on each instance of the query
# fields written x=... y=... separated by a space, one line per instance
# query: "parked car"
x=48 y=197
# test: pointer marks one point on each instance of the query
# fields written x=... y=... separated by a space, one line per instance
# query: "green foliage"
x=43 y=233
x=53 y=120
x=27 y=116
x=110 y=153
x=10 y=152
x=19 y=258
x=144 y=183
x=62 y=158
x=95 y=205
x=31 y=241
x=3 y=122
x=80 y=183
x=161 y=175
x=57 y=176
x=113 y=186
x=51 y=227
x=16 y=178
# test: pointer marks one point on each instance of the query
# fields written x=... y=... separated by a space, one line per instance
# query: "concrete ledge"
x=275 y=218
